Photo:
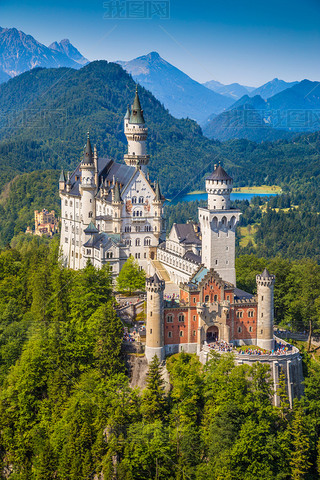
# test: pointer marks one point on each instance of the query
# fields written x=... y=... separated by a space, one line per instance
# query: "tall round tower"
x=155 y=318
x=136 y=133
x=219 y=187
x=265 y=287
x=88 y=185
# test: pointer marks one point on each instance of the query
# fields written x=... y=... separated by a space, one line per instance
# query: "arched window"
x=169 y=319
x=137 y=242
x=134 y=199
x=181 y=317
x=215 y=298
x=140 y=199
x=206 y=298
x=147 y=241
x=90 y=214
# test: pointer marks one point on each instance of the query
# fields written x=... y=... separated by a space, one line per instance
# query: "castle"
x=110 y=211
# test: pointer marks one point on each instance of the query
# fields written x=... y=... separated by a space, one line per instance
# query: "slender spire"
x=127 y=115
x=88 y=155
x=117 y=194
x=62 y=176
x=136 y=113
x=158 y=193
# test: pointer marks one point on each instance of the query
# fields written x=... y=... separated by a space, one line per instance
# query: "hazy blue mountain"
x=294 y=109
x=20 y=52
x=68 y=49
x=272 y=88
x=233 y=90
x=181 y=95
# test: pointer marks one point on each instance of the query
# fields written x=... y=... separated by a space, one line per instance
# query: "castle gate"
x=212 y=334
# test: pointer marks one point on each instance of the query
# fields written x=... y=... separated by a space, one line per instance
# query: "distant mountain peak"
x=180 y=94
x=66 y=47
x=20 y=52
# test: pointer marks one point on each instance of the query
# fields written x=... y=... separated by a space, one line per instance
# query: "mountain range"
x=180 y=94
x=223 y=111
x=234 y=90
x=294 y=109
x=20 y=52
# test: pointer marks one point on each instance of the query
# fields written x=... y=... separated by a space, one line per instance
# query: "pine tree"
x=154 y=399
x=300 y=442
x=131 y=278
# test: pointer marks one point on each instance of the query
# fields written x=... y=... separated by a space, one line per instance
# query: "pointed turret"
x=127 y=115
x=87 y=154
x=62 y=181
x=117 y=194
x=62 y=176
x=158 y=193
x=136 y=113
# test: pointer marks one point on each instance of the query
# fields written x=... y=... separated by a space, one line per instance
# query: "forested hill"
x=47 y=112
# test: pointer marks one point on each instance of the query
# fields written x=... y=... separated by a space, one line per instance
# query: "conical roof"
x=266 y=274
x=87 y=154
x=136 y=112
x=127 y=115
x=117 y=194
x=219 y=174
x=158 y=193
x=155 y=278
x=62 y=177
x=91 y=228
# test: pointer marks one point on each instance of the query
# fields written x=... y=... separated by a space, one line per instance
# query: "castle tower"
x=218 y=226
x=136 y=133
x=88 y=186
x=265 y=286
x=62 y=181
x=117 y=204
x=158 y=203
x=155 y=318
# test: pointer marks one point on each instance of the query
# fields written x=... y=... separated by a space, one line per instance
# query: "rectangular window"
x=66 y=240
x=181 y=333
x=239 y=329
x=169 y=334
x=250 y=329
x=194 y=333
x=150 y=331
x=194 y=318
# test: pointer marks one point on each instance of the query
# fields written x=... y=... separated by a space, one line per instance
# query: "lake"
x=234 y=196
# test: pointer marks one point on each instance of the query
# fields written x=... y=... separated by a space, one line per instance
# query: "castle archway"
x=212 y=334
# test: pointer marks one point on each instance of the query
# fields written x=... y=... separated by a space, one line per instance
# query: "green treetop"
x=131 y=278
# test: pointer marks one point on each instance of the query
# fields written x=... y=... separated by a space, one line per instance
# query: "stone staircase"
x=171 y=287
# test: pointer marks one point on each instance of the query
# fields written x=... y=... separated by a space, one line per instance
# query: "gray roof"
x=266 y=274
x=193 y=257
x=241 y=294
x=107 y=170
x=186 y=234
x=219 y=174
x=102 y=238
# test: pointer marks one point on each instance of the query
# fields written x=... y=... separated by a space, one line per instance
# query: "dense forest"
x=67 y=411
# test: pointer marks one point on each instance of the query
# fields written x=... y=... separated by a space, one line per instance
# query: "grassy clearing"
x=259 y=189
x=285 y=210
x=247 y=234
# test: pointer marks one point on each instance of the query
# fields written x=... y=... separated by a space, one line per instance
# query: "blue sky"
x=245 y=41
